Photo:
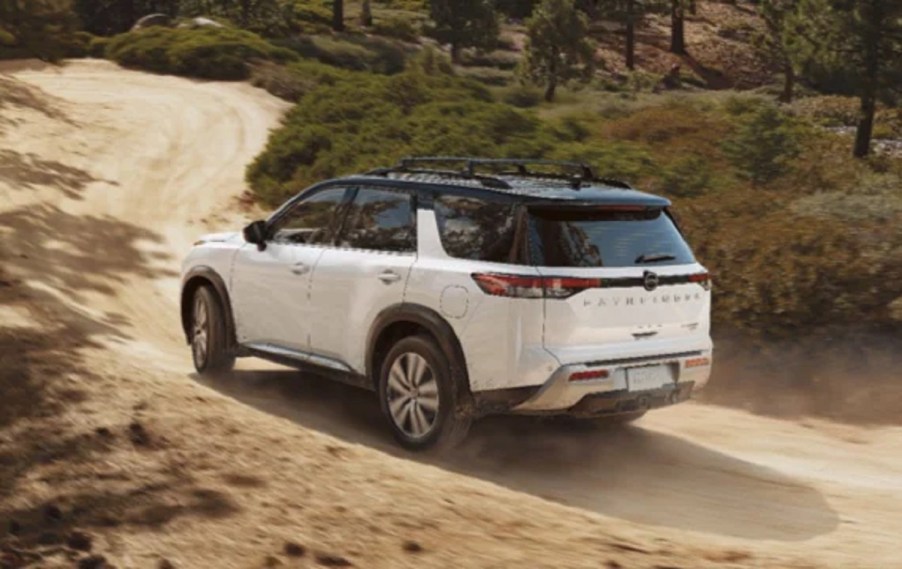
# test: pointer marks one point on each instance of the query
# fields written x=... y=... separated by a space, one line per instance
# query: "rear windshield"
x=580 y=238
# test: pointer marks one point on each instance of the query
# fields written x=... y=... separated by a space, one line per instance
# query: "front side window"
x=380 y=220
x=605 y=238
x=476 y=229
x=310 y=221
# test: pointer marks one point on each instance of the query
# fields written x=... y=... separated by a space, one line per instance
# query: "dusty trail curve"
x=106 y=178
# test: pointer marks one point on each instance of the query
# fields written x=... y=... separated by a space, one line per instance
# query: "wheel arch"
x=406 y=319
x=206 y=276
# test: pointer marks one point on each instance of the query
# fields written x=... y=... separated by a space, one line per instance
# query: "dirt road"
x=106 y=178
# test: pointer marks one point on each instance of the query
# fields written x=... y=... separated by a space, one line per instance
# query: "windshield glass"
x=606 y=238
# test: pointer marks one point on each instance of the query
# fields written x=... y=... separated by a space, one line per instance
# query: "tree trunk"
x=366 y=14
x=550 y=89
x=455 y=53
x=873 y=39
x=245 y=13
x=630 y=44
x=677 y=31
x=630 y=35
x=789 y=82
x=338 y=15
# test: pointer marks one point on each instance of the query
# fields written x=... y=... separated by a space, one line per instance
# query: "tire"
x=209 y=335
x=419 y=396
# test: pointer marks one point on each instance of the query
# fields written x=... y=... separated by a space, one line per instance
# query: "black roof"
x=570 y=182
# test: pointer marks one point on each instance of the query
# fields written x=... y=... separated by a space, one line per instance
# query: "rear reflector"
x=589 y=374
x=521 y=286
x=697 y=362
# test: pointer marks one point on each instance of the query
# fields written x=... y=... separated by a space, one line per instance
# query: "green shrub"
x=293 y=81
x=686 y=177
x=98 y=46
x=489 y=75
x=764 y=144
x=365 y=120
x=522 y=96
x=499 y=59
x=398 y=27
x=209 y=53
x=832 y=110
x=348 y=51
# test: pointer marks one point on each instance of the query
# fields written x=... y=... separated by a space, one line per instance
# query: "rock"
x=165 y=564
x=329 y=560
x=14 y=527
x=152 y=20
x=195 y=23
x=138 y=434
x=271 y=561
x=294 y=549
x=80 y=541
x=412 y=547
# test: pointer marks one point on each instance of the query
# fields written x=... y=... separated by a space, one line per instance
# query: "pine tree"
x=464 y=23
x=338 y=15
x=775 y=42
x=677 y=26
x=558 y=48
x=860 y=40
x=630 y=13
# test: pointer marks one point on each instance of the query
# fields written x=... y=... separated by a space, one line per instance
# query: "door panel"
x=271 y=294
x=271 y=288
x=350 y=289
x=366 y=273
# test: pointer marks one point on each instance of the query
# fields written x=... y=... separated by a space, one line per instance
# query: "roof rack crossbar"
x=469 y=170
x=488 y=181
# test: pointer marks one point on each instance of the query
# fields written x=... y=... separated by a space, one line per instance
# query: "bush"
x=522 y=96
x=398 y=27
x=364 y=120
x=208 y=53
x=98 y=46
x=348 y=51
x=764 y=144
x=293 y=81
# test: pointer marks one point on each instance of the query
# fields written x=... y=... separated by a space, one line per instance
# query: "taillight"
x=520 y=286
x=516 y=286
x=703 y=279
x=697 y=362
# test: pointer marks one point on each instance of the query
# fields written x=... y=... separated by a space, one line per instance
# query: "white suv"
x=456 y=288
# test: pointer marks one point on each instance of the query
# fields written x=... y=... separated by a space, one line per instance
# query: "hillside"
x=110 y=443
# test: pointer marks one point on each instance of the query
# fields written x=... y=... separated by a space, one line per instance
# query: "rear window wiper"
x=654 y=258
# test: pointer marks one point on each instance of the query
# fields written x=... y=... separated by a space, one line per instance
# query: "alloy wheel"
x=413 y=396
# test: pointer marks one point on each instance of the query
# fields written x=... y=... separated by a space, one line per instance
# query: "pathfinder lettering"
x=616 y=301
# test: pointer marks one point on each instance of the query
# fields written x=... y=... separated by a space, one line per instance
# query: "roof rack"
x=581 y=172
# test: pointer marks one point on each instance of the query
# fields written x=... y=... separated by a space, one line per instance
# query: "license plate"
x=649 y=377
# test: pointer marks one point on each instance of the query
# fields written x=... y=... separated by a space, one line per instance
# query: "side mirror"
x=256 y=233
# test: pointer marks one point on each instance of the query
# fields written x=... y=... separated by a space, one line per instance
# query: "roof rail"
x=520 y=168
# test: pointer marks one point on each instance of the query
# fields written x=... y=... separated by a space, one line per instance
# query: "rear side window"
x=581 y=238
x=380 y=220
x=477 y=229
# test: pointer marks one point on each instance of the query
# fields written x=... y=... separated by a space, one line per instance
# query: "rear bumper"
x=609 y=394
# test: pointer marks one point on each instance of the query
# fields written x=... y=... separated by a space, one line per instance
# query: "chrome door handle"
x=389 y=277
x=300 y=269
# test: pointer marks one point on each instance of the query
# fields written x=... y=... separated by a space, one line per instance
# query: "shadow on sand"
x=631 y=473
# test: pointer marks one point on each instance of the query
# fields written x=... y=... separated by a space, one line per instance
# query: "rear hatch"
x=620 y=282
